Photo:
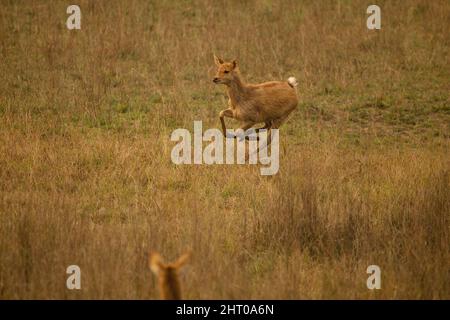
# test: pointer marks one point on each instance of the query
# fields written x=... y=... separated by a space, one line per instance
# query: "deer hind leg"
x=245 y=127
x=278 y=122
x=247 y=135
x=275 y=124
x=267 y=125
x=225 y=113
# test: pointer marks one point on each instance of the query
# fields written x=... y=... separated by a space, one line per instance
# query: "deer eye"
x=226 y=71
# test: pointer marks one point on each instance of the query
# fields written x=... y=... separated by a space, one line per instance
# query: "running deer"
x=168 y=277
x=268 y=102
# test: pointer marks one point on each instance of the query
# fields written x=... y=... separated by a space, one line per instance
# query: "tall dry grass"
x=85 y=170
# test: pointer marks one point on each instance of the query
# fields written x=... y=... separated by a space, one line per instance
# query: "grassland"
x=85 y=170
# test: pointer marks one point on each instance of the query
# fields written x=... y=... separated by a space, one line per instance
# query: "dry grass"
x=85 y=170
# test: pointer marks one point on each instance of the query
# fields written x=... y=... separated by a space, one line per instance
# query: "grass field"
x=86 y=176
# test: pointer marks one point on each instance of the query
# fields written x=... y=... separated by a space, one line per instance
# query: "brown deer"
x=269 y=102
x=168 y=277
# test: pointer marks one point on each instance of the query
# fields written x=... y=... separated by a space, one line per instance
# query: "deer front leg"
x=225 y=113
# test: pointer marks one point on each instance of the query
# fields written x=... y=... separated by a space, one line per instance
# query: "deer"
x=269 y=102
x=168 y=275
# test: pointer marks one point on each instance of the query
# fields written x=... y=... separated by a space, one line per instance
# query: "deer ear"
x=234 y=63
x=182 y=260
x=217 y=60
x=155 y=262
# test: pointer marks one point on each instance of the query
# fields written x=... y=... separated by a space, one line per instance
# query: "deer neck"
x=236 y=90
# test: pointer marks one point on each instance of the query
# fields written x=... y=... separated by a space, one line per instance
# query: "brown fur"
x=268 y=102
x=168 y=279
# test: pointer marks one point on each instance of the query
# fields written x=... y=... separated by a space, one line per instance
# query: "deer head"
x=168 y=275
x=226 y=71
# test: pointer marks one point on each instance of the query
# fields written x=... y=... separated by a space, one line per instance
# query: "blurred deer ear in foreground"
x=168 y=278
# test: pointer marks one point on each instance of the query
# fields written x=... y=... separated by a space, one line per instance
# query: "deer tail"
x=292 y=82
